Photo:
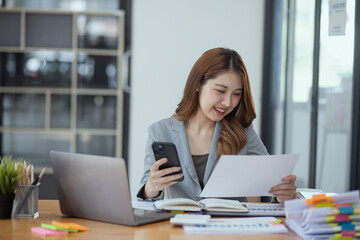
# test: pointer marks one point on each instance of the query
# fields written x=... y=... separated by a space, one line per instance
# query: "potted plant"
x=9 y=179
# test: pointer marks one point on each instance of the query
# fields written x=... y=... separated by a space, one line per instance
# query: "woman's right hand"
x=157 y=181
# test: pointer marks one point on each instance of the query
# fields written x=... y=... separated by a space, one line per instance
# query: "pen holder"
x=26 y=201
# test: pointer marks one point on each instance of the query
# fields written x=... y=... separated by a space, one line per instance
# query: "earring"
x=197 y=89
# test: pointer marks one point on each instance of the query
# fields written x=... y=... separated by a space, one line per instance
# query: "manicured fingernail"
x=165 y=160
x=285 y=180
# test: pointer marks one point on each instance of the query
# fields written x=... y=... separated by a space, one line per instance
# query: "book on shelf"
x=208 y=205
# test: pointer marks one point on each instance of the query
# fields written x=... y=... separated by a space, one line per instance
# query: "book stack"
x=325 y=217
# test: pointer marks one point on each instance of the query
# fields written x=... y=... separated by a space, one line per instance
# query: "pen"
x=28 y=173
x=32 y=174
x=37 y=180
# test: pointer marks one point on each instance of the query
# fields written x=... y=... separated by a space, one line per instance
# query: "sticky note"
x=47 y=232
x=319 y=198
x=70 y=226
x=346 y=210
x=53 y=227
x=350 y=233
x=342 y=218
x=177 y=212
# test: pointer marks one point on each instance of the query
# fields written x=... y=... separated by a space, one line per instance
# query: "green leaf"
x=9 y=176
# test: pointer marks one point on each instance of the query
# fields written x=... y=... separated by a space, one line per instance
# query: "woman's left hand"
x=286 y=190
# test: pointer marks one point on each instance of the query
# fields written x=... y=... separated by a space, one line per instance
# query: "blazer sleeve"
x=148 y=162
x=254 y=144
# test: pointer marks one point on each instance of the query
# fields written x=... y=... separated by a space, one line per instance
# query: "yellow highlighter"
x=74 y=226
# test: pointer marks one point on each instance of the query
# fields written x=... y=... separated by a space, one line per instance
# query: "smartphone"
x=167 y=150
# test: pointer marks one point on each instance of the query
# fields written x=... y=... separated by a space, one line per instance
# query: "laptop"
x=97 y=188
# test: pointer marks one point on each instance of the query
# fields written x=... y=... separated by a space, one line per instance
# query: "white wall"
x=168 y=37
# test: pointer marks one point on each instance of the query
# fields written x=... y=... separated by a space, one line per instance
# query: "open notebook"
x=206 y=205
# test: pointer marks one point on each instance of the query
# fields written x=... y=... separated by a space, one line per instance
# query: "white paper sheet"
x=337 y=17
x=248 y=175
x=309 y=192
x=259 y=225
x=145 y=205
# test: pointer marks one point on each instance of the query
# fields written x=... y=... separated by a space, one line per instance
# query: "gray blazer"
x=172 y=130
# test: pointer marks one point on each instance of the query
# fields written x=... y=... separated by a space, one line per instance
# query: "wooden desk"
x=20 y=228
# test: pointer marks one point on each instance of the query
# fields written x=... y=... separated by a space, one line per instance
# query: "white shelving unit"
x=76 y=45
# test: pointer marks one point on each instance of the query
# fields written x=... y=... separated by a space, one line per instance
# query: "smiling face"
x=219 y=96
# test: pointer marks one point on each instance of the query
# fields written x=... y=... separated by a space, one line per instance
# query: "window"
x=314 y=115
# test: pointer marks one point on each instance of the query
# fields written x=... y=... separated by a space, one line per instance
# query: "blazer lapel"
x=179 y=138
x=213 y=154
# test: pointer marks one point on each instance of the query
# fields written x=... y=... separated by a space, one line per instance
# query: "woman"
x=213 y=118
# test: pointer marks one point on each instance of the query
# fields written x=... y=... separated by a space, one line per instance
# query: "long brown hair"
x=211 y=64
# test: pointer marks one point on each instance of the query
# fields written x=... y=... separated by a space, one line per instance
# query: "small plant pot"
x=6 y=205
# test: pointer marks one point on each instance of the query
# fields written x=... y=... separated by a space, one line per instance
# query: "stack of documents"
x=325 y=217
